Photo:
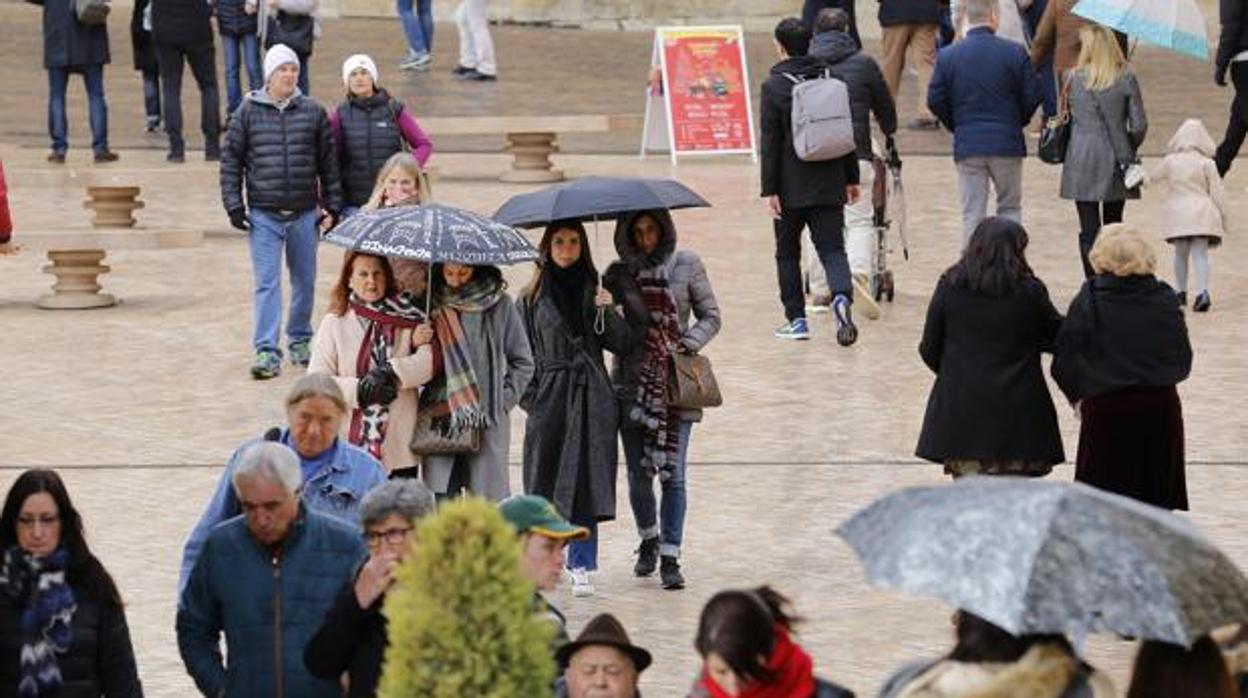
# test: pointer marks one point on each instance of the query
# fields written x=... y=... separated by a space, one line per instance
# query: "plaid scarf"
x=382 y=320
x=651 y=409
x=39 y=583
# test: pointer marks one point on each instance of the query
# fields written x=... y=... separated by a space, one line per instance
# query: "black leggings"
x=1093 y=215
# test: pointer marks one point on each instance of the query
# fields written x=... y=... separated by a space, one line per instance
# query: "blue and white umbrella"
x=1177 y=25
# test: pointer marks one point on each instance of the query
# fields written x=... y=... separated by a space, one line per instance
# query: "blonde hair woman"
x=401 y=180
x=1107 y=126
x=1121 y=351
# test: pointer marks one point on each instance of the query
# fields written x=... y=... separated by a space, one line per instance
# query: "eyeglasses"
x=45 y=520
x=393 y=536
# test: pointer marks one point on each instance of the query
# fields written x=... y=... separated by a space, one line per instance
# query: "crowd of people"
x=414 y=372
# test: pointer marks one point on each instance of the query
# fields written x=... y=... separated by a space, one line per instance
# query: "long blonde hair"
x=1101 y=60
x=409 y=165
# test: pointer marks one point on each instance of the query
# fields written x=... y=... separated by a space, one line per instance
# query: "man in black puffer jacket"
x=279 y=141
x=182 y=31
x=868 y=94
x=1233 y=56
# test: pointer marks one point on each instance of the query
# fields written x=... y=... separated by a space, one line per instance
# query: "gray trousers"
x=974 y=174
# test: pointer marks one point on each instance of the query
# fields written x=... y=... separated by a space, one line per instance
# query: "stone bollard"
x=114 y=206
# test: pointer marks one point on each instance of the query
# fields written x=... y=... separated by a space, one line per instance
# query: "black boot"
x=1202 y=302
x=669 y=573
x=647 y=557
x=1182 y=299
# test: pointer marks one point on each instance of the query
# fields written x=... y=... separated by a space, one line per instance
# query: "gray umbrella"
x=433 y=233
x=1050 y=557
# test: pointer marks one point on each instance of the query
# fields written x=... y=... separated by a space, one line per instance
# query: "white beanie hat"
x=276 y=57
x=359 y=60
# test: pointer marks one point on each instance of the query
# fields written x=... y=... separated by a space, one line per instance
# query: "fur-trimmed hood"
x=634 y=258
x=1045 y=671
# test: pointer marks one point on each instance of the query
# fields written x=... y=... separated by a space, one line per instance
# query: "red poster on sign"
x=706 y=90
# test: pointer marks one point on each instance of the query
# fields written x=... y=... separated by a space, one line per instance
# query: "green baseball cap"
x=530 y=513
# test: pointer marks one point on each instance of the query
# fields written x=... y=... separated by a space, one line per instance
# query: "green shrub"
x=461 y=615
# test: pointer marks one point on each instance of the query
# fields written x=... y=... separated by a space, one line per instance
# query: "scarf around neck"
x=652 y=409
x=382 y=320
x=566 y=288
x=791 y=670
x=40 y=586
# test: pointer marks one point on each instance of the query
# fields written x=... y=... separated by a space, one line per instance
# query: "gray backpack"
x=823 y=125
x=92 y=11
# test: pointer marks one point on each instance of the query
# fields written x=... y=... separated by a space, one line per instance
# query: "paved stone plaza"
x=140 y=404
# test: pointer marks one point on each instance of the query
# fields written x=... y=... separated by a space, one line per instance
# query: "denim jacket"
x=336 y=488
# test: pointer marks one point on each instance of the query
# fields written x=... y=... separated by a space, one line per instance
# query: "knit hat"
x=276 y=57
x=359 y=60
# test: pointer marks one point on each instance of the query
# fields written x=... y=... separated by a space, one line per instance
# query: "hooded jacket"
x=1045 y=671
x=799 y=184
x=690 y=285
x=1196 y=202
x=284 y=153
x=868 y=93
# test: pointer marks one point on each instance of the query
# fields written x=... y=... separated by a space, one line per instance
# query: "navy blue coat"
x=984 y=90
x=68 y=43
x=239 y=589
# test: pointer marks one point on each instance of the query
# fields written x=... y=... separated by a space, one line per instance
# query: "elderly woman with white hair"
x=352 y=638
x=1120 y=353
x=336 y=475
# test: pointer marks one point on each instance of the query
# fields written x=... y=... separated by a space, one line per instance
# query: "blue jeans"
x=667 y=520
x=583 y=554
x=418 y=24
x=58 y=123
x=268 y=236
x=247 y=45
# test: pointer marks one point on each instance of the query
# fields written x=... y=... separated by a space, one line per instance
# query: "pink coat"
x=334 y=351
x=1195 y=204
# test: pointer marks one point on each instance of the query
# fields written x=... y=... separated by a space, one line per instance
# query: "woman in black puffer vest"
x=62 y=626
x=369 y=126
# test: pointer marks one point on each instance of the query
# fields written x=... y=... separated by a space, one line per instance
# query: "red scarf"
x=792 y=672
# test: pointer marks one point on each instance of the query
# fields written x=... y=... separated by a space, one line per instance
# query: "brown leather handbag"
x=693 y=384
x=431 y=439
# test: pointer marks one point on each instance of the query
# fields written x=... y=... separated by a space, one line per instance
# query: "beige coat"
x=1195 y=204
x=334 y=351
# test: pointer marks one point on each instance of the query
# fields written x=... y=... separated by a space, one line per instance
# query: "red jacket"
x=6 y=223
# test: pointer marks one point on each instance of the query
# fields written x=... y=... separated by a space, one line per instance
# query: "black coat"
x=351 y=640
x=909 y=12
x=990 y=401
x=100 y=661
x=811 y=9
x=283 y=154
x=181 y=22
x=799 y=183
x=68 y=43
x=1234 y=35
x=1121 y=332
x=141 y=39
x=233 y=20
x=570 y=441
x=868 y=93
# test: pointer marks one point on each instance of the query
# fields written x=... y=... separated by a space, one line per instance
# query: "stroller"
x=888 y=198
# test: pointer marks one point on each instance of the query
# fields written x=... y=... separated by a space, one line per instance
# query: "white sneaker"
x=581 y=585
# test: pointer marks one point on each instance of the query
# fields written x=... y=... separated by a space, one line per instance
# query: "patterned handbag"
x=430 y=437
x=693 y=384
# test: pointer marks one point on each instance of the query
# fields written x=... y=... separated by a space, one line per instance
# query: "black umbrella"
x=593 y=198
x=433 y=233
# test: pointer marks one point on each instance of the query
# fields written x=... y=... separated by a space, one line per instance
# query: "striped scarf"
x=39 y=583
x=382 y=320
x=454 y=396
x=651 y=409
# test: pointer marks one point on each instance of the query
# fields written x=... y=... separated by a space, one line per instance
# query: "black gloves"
x=238 y=218
x=380 y=386
x=1219 y=75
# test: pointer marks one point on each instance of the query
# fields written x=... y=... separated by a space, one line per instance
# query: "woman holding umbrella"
x=487 y=366
x=673 y=284
x=570 y=435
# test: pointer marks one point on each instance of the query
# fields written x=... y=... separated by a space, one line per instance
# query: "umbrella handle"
x=600 y=321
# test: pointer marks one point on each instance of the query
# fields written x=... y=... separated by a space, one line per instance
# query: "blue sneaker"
x=268 y=364
x=794 y=329
x=301 y=353
x=846 y=330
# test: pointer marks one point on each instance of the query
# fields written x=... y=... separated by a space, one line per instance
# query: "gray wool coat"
x=690 y=285
x=508 y=367
x=1090 y=172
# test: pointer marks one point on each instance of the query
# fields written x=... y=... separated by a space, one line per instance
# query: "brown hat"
x=604 y=629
